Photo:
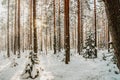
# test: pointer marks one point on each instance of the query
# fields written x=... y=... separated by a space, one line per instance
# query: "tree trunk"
x=15 y=32
x=31 y=24
x=50 y=39
x=18 y=28
x=79 y=27
x=59 y=30
x=34 y=27
x=66 y=30
x=108 y=39
x=113 y=13
x=54 y=27
x=41 y=48
x=8 y=50
x=23 y=29
x=95 y=27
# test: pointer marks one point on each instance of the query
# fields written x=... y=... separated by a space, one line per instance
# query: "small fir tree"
x=90 y=46
x=31 y=70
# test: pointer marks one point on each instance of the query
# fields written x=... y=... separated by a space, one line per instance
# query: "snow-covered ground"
x=54 y=67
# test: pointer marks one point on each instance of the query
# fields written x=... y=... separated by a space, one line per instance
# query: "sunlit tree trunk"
x=81 y=12
x=8 y=50
x=41 y=48
x=66 y=30
x=34 y=27
x=19 y=28
x=12 y=33
x=31 y=24
x=15 y=32
x=23 y=29
x=50 y=39
x=95 y=27
x=54 y=10
x=108 y=39
x=75 y=37
x=59 y=30
x=79 y=27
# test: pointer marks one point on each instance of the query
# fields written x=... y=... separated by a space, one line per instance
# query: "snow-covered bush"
x=90 y=46
x=32 y=67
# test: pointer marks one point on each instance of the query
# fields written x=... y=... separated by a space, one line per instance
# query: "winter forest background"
x=59 y=40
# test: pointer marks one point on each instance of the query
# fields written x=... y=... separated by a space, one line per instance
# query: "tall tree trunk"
x=12 y=33
x=108 y=39
x=59 y=30
x=41 y=48
x=79 y=27
x=113 y=13
x=23 y=29
x=95 y=27
x=46 y=44
x=15 y=32
x=75 y=36
x=34 y=27
x=54 y=10
x=19 y=28
x=8 y=50
x=31 y=24
x=66 y=30
x=81 y=13
x=50 y=39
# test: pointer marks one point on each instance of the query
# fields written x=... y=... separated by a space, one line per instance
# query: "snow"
x=53 y=67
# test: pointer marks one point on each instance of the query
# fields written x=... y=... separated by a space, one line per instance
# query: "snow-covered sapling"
x=31 y=69
x=90 y=47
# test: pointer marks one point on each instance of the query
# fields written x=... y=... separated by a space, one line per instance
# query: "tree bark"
x=31 y=25
x=95 y=27
x=66 y=30
x=15 y=32
x=59 y=30
x=8 y=50
x=34 y=27
x=113 y=13
x=19 y=28
x=54 y=10
x=79 y=27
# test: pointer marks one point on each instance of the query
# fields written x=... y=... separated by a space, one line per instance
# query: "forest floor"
x=54 y=67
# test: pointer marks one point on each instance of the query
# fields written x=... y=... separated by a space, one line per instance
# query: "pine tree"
x=79 y=27
x=112 y=7
x=34 y=27
x=95 y=27
x=66 y=30
x=31 y=69
x=19 y=28
x=8 y=49
x=54 y=10
x=90 y=46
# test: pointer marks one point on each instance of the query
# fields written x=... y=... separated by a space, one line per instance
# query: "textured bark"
x=34 y=27
x=50 y=39
x=54 y=27
x=18 y=28
x=81 y=12
x=15 y=32
x=79 y=27
x=66 y=30
x=31 y=25
x=95 y=27
x=41 y=45
x=108 y=39
x=59 y=30
x=8 y=50
x=23 y=30
x=113 y=13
